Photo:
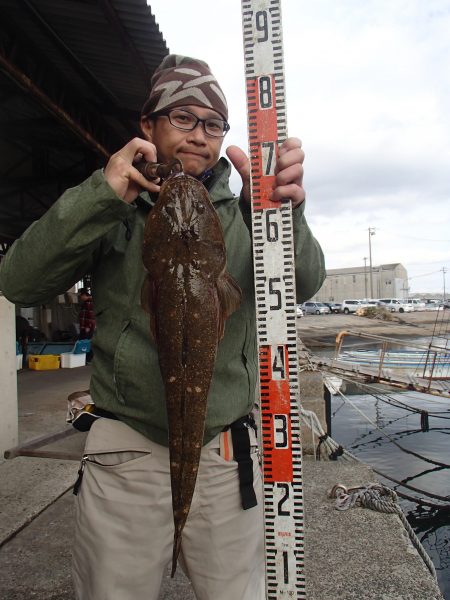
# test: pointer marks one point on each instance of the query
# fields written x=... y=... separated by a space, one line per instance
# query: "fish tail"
x=176 y=551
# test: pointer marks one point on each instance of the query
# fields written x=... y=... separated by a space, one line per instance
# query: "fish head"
x=183 y=228
x=183 y=238
x=185 y=202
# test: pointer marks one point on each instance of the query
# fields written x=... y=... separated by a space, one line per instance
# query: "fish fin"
x=229 y=296
x=176 y=552
x=148 y=303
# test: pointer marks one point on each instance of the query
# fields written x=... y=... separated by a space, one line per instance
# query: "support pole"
x=365 y=277
x=9 y=421
x=371 y=233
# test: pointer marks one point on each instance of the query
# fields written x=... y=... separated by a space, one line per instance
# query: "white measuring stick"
x=273 y=252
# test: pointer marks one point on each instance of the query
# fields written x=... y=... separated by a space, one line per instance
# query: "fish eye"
x=200 y=207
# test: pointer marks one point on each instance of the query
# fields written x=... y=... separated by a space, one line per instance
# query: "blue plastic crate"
x=82 y=346
x=49 y=347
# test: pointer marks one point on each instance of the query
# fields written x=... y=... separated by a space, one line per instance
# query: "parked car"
x=416 y=303
x=396 y=305
x=351 y=306
x=315 y=308
x=433 y=304
x=375 y=303
x=334 y=307
x=446 y=304
x=298 y=310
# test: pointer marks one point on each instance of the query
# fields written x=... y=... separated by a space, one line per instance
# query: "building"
x=387 y=281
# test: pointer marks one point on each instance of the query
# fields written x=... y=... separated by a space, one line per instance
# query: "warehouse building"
x=385 y=281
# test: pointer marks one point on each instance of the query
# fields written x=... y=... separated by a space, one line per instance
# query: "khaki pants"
x=124 y=524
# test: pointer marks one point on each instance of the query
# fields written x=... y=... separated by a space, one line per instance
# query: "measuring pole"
x=273 y=254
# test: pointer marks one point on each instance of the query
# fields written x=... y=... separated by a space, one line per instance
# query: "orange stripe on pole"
x=278 y=462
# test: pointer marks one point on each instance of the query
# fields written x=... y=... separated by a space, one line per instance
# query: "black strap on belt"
x=241 y=449
x=86 y=417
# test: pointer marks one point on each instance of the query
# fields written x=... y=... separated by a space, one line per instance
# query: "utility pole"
x=365 y=276
x=371 y=233
x=444 y=271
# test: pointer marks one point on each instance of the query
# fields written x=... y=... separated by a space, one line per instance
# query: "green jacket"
x=90 y=229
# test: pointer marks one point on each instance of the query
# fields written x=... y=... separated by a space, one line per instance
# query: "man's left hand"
x=288 y=172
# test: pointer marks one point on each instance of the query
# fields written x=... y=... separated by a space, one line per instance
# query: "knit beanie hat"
x=182 y=80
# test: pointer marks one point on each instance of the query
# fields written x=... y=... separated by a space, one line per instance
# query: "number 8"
x=265 y=92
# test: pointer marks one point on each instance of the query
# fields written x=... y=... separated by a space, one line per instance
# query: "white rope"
x=382 y=499
x=374 y=496
x=328 y=445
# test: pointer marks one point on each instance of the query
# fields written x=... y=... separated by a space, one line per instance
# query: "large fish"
x=189 y=295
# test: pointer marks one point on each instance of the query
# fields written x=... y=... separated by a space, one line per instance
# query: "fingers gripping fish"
x=189 y=296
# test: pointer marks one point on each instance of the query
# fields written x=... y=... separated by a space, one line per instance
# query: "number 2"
x=282 y=512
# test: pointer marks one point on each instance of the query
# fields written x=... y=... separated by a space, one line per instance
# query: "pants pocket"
x=123 y=473
x=115 y=459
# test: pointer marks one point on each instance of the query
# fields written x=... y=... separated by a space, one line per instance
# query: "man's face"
x=196 y=150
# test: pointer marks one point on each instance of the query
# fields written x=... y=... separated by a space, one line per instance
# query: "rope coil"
x=382 y=499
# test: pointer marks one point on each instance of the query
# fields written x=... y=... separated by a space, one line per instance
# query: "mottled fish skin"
x=189 y=296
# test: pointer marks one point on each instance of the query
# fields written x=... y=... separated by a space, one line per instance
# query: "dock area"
x=349 y=555
x=320 y=331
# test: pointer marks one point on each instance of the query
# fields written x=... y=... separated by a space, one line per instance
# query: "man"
x=124 y=528
x=86 y=317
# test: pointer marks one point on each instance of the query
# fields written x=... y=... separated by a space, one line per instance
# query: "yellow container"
x=44 y=362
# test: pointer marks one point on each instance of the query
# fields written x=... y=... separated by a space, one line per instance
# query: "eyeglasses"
x=187 y=121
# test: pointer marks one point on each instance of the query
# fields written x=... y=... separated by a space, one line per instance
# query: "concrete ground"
x=321 y=330
x=358 y=554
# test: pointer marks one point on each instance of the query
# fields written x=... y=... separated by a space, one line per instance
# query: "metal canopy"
x=73 y=77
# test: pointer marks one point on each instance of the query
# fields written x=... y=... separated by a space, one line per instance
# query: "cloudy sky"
x=368 y=92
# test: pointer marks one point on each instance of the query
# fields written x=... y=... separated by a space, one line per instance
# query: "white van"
x=416 y=303
x=351 y=306
x=396 y=305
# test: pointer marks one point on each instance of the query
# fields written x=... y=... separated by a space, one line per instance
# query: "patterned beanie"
x=181 y=80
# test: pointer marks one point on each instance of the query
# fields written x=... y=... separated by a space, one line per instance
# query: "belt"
x=240 y=438
x=88 y=415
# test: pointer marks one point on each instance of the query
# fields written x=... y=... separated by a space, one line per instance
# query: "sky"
x=368 y=93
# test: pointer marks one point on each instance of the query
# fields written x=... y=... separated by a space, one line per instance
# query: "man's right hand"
x=124 y=179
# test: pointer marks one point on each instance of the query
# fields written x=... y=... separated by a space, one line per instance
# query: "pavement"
x=349 y=555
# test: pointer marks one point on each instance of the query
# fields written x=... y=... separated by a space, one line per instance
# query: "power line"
x=425 y=274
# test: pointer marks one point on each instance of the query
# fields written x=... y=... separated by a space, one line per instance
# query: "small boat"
x=428 y=364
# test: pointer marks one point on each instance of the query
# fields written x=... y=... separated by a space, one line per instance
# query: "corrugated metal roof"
x=361 y=269
x=73 y=77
